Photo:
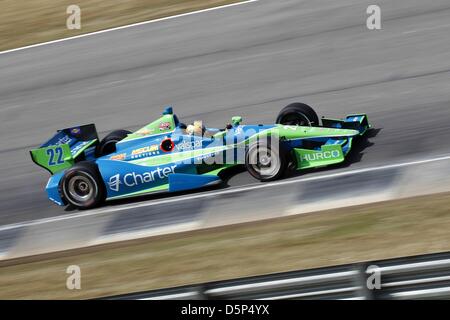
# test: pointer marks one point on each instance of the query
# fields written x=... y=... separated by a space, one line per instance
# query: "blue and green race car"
x=169 y=156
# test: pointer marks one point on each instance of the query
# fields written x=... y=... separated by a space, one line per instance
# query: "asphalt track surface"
x=248 y=60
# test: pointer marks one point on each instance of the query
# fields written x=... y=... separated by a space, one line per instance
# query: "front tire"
x=82 y=186
x=298 y=114
x=266 y=161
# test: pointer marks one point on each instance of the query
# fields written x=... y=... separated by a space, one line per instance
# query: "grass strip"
x=29 y=22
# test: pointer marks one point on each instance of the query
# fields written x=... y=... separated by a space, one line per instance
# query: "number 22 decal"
x=55 y=154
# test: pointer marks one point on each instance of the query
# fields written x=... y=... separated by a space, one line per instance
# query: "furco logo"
x=321 y=155
x=133 y=179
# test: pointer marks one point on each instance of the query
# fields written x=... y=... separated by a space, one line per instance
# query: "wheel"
x=82 y=186
x=108 y=144
x=298 y=114
x=266 y=161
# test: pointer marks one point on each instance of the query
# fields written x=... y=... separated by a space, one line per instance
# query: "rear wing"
x=60 y=151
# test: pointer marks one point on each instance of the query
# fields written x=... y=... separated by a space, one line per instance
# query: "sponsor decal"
x=114 y=182
x=121 y=156
x=75 y=131
x=63 y=140
x=189 y=145
x=206 y=156
x=145 y=132
x=79 y=147
x=321 y=155
x=145 y=151
x=164 y=126
x=133 y=179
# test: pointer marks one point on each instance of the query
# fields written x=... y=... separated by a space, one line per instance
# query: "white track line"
x=220 y=192
x=128 y=26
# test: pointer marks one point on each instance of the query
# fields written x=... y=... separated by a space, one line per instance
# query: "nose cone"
x=332 y=132
x=349 y=132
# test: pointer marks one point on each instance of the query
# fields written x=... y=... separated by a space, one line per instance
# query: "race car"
x=170 y=156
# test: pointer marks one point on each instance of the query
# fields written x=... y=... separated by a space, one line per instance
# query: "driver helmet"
x=197 y=128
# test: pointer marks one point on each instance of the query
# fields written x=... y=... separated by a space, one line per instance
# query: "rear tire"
x=264 y=162
x=298 y=114
x=108 y=144
x=82 y=186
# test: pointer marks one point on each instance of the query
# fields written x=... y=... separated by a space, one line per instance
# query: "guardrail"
x=417 y=277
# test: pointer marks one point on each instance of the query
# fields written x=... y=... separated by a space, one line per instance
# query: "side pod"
x=182 y=181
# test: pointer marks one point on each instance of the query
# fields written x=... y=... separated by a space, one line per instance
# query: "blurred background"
x=389 y=200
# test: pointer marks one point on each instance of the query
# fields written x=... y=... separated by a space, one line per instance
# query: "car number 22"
x=55 y=156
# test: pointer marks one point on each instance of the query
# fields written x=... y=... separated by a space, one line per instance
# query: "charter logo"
x=114 y=183
x=133 y=179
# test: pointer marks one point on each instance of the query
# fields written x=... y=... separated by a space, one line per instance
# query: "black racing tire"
x=82 y=186
x=298 y=114
x=266 y=161
x=108 y=143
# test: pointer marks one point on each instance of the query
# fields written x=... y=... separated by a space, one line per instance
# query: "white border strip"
x=128 y=26
x=145 y=233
